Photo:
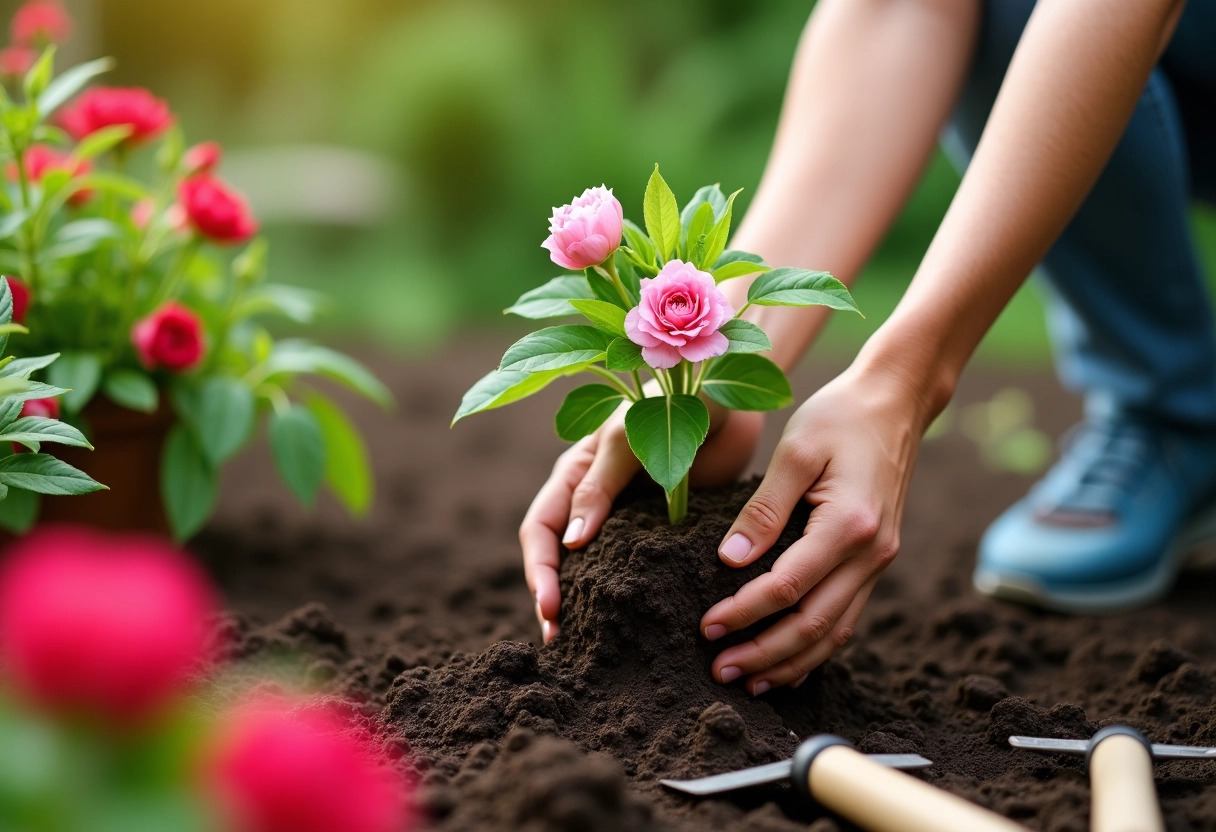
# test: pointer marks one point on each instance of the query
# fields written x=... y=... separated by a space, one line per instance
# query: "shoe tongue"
x=1092 y=480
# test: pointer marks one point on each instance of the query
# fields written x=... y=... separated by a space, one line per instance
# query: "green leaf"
x=799 y=287
x=114 y=183
x=299 y=356
x=624 y=356
x=710 y=195
x=637 y=240
x=103 y=140
x=698 y=232
x=604 y=290
x=10 y=410
x=556 y=347
x=551 y=300
x=19 y=510
x=606 y=316
x=585 y=409
x=664 y=433
x=220 y=411
x=715 y=243
x=347 y=472
x=292 y=302
x=299 y=451
x=39 y=75
x=13 y=329
x=80 y=237
x=187 y=483
x=45 y=475
x=30 y=390
x=71 y=82
x=132 y=389
x=11 y=222
x=732 y=255
x=6 y=311
x=745 y=336
x=737 y=268
x=32 y=430
x=745 y=381
x=498 y=389
x=79 y=373
x=22 y=367
x=662 y=216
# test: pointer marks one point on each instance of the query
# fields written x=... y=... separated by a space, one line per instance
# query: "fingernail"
x=730 y=674
x=798 y=684
x=715 y=631
x=736 y=548
x=574 y=531
x=762 y=688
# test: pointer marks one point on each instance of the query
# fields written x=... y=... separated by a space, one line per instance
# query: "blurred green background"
x=404 y=154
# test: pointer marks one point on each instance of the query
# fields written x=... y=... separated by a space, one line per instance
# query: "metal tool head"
x=1160 y=752
x=776 y=772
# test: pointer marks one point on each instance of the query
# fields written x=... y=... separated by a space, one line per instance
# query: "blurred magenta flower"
x=215 y=210
x=203 y=157
x=40 y=159
x=110 y=626
x=147 y=115
x=586 y=232
x=679 y=315
x=283 y=766
x=46 y=408
x=169 y=338
x=21 y=297
x=40 y=22
x=15 y=61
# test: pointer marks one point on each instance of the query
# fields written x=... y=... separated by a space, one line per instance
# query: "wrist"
x=904 y=360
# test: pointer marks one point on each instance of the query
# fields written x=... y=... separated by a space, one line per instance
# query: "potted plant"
x=142 y=269
x=650 y=303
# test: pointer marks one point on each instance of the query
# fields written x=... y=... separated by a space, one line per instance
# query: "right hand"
x=575 y=501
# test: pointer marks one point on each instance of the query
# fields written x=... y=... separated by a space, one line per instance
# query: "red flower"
x=21 y=298
x=108 y=626
x=40 y=159
x=101 y=107
x=215 y=210
x=203 y=157
x=40 y=22
x=15 y=61
x=281 y=768
x=46 y=408
x=171 y=337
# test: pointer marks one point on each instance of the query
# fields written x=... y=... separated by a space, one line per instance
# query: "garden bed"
x=423 y=614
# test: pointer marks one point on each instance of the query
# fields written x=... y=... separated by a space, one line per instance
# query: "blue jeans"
x=1129 y=315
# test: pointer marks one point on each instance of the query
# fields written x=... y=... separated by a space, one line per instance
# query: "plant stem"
x=696 y=382
x=637 y=384
x=31 y=259
x=177 y=272
x=616 y=382
x=677 y=502
x=610 y=267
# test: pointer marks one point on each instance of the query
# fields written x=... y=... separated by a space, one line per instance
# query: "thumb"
x=791 y=472
x=611 y=470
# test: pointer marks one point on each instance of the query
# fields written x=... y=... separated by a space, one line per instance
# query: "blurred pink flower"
x=147 y=115
x=215 y=210
x=680 y=313
x=204 y=157
x=46 y=408
x=41 y=159
x=586 y=232
x=15 y=61
x=283 y=766
x=21 y=297
x=40 y=22
x=171 y=337
x=104 y=625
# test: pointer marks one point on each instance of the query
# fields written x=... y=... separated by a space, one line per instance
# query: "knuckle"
x=813 y=628
x=784 y=589
x=760 y=514
x=765 y=658
x=800 y=456
x=588 y=491
x=885 y=550
x=861 y=525
x=841 y=636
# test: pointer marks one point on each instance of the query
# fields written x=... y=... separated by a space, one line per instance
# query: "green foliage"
x=800 y=287
x=188 y=483
x=664 y=433
x=606 y=316
x=556 y=347
x=585 y=409
x=347 y=471
x=552 y=300
x=747 y=382
x=299 y=451
x=745 y=336
x=662 y=216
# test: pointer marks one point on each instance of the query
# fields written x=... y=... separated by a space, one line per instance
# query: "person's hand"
x=849 y=451
x=574 y=502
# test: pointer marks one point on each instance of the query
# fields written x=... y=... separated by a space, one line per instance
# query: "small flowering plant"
x=152 y=289
x=652 y=303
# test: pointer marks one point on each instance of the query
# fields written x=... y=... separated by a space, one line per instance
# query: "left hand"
x=848 y=450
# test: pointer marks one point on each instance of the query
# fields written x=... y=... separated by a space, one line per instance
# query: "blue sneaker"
x=1127 y=506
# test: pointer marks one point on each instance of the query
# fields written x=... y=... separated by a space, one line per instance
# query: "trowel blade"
x=1160 y=752
x=776 y=772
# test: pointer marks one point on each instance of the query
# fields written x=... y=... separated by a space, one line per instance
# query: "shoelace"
x=1102 y=461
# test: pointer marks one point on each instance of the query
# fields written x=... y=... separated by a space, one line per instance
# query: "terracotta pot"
x=126 y=457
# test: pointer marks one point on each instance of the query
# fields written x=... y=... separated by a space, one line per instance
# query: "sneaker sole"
x=1193 y=548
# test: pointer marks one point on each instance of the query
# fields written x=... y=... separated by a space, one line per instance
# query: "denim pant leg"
x=1130 y=318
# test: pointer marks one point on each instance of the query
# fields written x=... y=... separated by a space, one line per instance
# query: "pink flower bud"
x=46 y=408
x=301 y=767
x=169 y=338
x=41 y=159
x=21 y=298
x=586 y=232
x=109 y=626
x=147 y=115
x=15 y=61
x=40 y=22
x=679 y=315
x=202 y=158
x=215 y=210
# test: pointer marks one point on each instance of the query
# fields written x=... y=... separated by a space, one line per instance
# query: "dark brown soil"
x=422 y=614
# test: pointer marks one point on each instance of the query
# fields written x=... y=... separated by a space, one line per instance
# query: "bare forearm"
x=1068 y=94
x=872 y=84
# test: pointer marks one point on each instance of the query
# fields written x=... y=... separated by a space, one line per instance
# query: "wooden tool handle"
x=1121 y=782
x=881 y=799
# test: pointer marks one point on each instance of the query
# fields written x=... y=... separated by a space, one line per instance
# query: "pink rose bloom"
x=679 y=315
x=215 y=210
x=39 y=22
x=284 y=766
x=203 y=157
x=171 y=337
x=41 y=159
x=15 y=61
x=109 y=626
x=147 y=115
x=21 y=297
x=585 y=232
x=46 y=408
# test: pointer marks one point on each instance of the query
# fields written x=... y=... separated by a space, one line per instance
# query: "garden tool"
x=1121 y=774
x=866 y=789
